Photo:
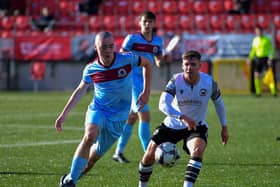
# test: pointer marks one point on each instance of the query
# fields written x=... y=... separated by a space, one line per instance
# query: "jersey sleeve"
x=160 y=52
x=216 y=93
x=171 y=87
x=86 y=76
x=127 y=43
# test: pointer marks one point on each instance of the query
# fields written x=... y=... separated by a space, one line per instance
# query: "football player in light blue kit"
x=185 y=104
x=149 y=45
x=111 y=75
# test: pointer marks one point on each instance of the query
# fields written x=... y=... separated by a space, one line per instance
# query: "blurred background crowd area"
x=74 y=17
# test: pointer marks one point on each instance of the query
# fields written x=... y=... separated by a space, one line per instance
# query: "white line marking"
x=39 y=143
x=23 y=126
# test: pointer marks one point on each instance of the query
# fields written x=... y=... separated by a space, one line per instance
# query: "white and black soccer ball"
x=167 y=154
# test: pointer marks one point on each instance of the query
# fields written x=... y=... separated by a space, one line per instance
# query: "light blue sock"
x=144 y=134
x=123 y=140
x=77 y=167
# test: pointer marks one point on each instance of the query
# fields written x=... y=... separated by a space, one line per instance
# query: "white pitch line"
x=23 y=126
x=39 y=143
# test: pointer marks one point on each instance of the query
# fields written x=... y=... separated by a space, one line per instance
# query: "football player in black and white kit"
x=185 y=104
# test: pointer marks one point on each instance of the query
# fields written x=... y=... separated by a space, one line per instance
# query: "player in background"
x=111 y=77
x=262 y=52
x=149 y=45
x=185 y=104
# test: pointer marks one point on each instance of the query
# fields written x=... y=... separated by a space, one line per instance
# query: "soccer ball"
x=167 y=154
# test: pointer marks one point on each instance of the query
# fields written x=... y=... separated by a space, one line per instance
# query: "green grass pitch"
x=32 y=153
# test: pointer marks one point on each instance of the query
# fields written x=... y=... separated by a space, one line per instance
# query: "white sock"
x=143 y=184
x=188 y=184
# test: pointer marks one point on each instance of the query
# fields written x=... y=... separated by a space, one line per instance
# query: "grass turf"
x=32 y=153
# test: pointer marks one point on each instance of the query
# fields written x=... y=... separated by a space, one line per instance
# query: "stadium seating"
x=154 y=6
x=22 y=23
x=276 y=20
x=170 y=22
x=232 y=23
x=95 y=23
x=138 y=7
x=169 y=6
x=228 y=5
x=277 y=38
x=107 y=7
x=274 y=6
x=184 y=6
x=201 y=23
x=110 y=23
x=7 y=23
x=215 y=6
x=185 y=23
x=217 y=23
x=263 y=21
x=247 y=23
x=200 y=7
x=123 y=7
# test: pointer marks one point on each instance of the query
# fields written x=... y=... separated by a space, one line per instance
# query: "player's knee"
x=89 y=137
x=132 y=118
x=197 y=152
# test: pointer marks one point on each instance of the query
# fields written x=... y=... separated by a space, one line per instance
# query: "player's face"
x=147 y=25
x=105 y=50
x=191 y=68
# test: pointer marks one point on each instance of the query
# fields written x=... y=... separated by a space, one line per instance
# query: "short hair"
x=148 y=15
x=101 y=35
x=191 y=54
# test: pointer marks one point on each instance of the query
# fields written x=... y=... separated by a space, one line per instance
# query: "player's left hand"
x=224 y=135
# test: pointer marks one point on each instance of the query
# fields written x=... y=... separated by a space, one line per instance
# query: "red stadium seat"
x=276 y=20
x=66 y=10
x=232 y=23
x=95 y=23
x=127 y=24
x=201 y=23
x=6 y=34
x=215 y=6
x=274 y=6
x=186 y=23
x=22 y=23
x=138 y=7
x=184 y=6
x=154 y=6
x=7 y=23
x=200 y=7
x=169 y=6
x=277 y=38
x=228 y=5
x=110 y=23
x=247 y=23
x=123 y=7
x=108 y=7
x=170 y=22
x=263 y=21
x=259 y=7
x=217 y=23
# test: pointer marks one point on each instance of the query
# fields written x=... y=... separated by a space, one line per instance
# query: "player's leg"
x=144 y=131
x=146 y=164
x=259 y=67
x=196 y=145
x=123 y=140
x=81 y=155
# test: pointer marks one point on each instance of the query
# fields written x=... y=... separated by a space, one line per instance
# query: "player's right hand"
x=58 y=123
x=189 y=122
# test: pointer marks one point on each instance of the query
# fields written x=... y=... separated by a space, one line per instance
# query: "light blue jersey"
x=112 y=85
x=136 y=43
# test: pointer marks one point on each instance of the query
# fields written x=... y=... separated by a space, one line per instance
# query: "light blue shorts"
x=108 y=131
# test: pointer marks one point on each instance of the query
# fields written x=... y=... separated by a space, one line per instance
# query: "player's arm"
x=147 y=73
x=72 y=101
x=221 y=111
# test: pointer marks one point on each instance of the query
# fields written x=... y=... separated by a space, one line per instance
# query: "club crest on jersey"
x=155 y=49
x=202 y=92
x=122 y=73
